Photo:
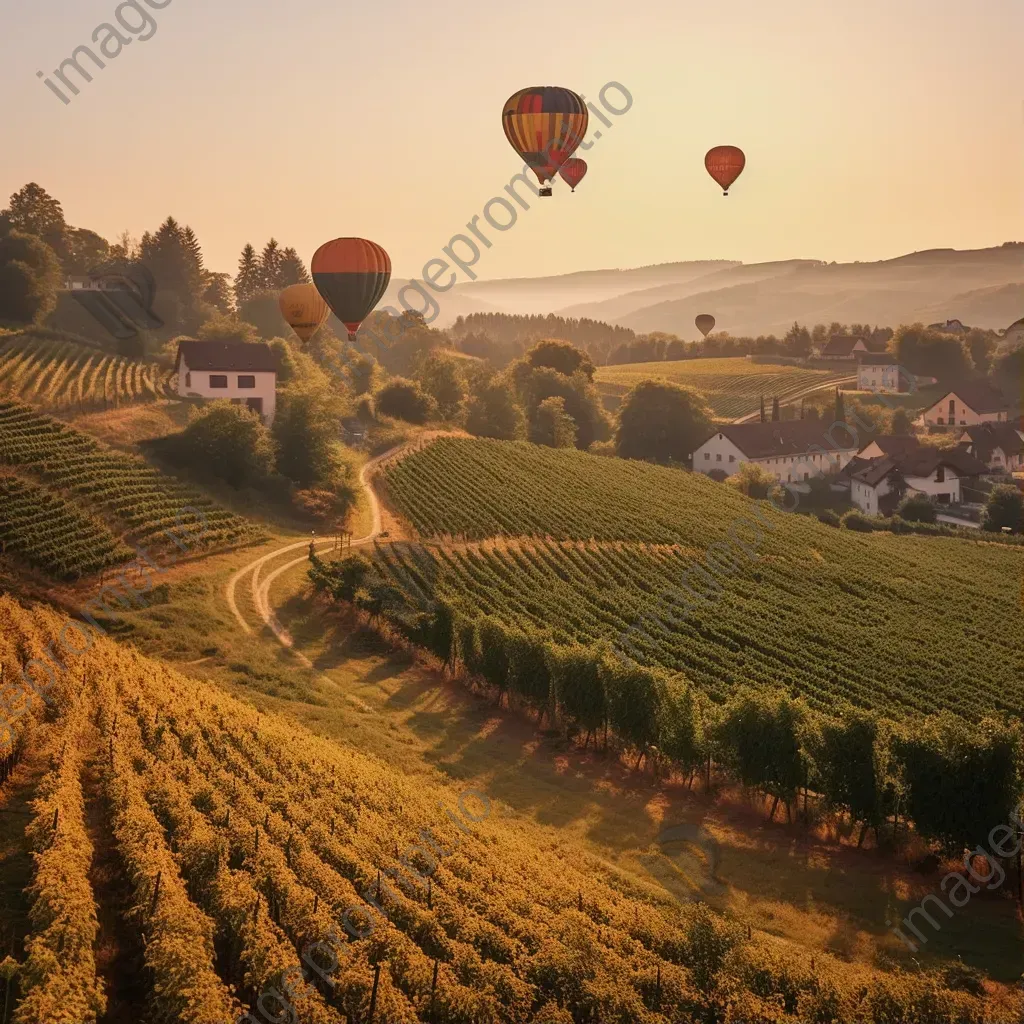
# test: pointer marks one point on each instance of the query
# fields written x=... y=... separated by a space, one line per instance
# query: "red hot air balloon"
x=725 y=164
x=545 y=126
x=573 y=172
x=352 y=275
x=705 y=323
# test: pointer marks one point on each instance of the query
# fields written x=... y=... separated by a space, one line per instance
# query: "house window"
x=952 y=410
x=732 y=458
x=807 y=476
x=188 y=380
x=963 y=423
x=246 y=381
x=718 y=458
x=940 y=475
x=789 y=478
x=218 y=380
x=707 y=456
x=941 y=421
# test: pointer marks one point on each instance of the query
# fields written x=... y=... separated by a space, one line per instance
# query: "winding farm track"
x=260 y=585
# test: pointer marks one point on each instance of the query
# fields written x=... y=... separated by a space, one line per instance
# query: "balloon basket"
x=545 y=191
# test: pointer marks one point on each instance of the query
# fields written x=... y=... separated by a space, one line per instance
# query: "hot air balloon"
x=303 y=309
x=352 y=275
x=705 y=323
x=573 y=171
x=725 y=164
x=545 y=126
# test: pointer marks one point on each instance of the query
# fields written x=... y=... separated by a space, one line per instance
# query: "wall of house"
x=939 y=414
x=866 y=497
x=933 y=488
x=718 y=452
x=196 y=383
x=885 y=379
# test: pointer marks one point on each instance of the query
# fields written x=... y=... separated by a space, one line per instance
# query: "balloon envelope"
x=705 y=323
x=352 y=274
x=725 y=164
x=303 y=309
x=545 y=125
x=573 y=172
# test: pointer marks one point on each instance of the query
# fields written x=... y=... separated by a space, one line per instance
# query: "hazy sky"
x=872 y=128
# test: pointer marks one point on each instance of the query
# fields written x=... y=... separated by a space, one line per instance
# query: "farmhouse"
x=237 y=371
x=890 y=468
x=1000 y=446
x=1015 y=332
x=880 y=372
x=972 y=402
x=792 y=451
x=949 y=327
x=842 y=346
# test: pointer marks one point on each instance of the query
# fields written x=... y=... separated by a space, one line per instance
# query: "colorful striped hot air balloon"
x=352 y=274
x=705 y=323
x=545 y=126
x=573 y=172
x=725 y=164
x=303 y=309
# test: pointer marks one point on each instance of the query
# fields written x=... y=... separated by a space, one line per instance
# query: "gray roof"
x=227 y=355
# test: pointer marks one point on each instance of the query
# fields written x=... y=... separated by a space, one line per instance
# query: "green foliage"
x=226 y=328
x=854 y=520
x=403 y=399
x=306 y=429
x=637 y=698
x=263 y=312
x=29 y=278
x=494 y=412
x=560 y=356
x=930 y=353
x=753 y=480
x=553 y=426
x=579 y=686
x=442 y=378
x=917 y=508
x=1005 y=508
x=363 y=374
x=229 y=442
x=661 y=422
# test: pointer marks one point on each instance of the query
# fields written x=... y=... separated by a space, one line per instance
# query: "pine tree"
x=293 y=270
x=249 y=279
x=840 y=407
x=270 y=265
x=764 y=418
x=776 y=414
x=217 y=292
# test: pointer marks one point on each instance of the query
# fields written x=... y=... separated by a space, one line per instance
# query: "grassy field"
x=811 y=609
x=60 y=375
x=732 y=387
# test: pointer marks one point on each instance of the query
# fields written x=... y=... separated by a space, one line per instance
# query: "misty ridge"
x=981 y=287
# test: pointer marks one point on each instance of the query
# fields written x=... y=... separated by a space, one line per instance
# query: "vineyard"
x=884 y=621
x=53 y=535
x=274 y=873
x=66 y=375
x=732 y=387
x=119 y=488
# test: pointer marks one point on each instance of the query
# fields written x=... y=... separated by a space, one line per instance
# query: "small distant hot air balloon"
x=705 y=323
x=352 y=274
x=303 y=309
x=545 y=126
x=573 y=172
x=725 y=164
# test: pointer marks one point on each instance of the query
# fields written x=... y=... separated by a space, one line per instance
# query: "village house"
x=1000 y=446
x=890 y=468
x=880 y=372
x=842 y=346
x=793 y=451
x=949 y=327
x=970 y=403
x=242 y=373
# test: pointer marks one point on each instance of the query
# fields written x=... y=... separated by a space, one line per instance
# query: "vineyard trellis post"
x=373 y=994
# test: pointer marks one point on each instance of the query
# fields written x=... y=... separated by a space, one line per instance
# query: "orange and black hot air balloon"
x=352 y=274
x=303 y=309
x=573 y=171
x=545 y=126
x=705 y=323
x=725 y=164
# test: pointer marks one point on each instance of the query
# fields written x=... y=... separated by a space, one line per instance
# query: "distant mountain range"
x=980 y=287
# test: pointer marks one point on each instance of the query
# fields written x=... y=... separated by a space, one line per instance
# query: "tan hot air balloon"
x=705 y=323
x=304 y=310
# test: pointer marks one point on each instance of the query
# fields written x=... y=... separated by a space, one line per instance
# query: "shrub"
x=403 y=399
x=858 y=521
x=917 y=508
x=753 y=480
x=1005 y=508
x=228 y=441
x=828 y=517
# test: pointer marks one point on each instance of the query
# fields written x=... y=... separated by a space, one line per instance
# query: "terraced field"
x=885 y=621
x=132 y=497
x=732 y=387
x=65 y=375
x=270 y=872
